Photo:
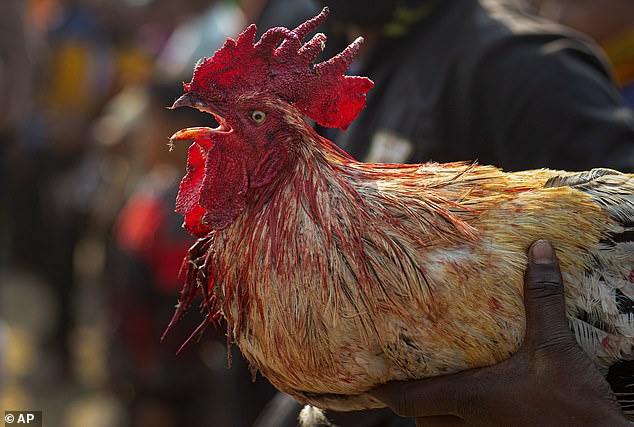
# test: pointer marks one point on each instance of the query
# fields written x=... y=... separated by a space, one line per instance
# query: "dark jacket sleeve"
x=545 y=101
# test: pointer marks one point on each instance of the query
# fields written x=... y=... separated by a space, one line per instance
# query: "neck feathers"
x=334 y=224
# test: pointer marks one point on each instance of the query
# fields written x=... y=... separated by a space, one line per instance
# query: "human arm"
x=549 y=381
x=541 y=99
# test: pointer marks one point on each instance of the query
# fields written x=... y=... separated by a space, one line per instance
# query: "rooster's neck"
x=320 y=170
x=325 y=224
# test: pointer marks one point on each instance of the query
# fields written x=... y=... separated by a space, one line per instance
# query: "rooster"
x=335 y=276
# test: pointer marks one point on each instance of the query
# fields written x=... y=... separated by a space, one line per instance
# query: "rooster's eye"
x=258 y=116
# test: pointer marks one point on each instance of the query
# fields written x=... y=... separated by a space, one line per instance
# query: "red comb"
x=278 y=63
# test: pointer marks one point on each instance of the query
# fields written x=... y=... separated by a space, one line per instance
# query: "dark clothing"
x=475 y=81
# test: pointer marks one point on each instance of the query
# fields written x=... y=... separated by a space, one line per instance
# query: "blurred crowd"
x=90 y=248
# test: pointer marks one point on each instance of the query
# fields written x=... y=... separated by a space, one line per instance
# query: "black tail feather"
x=621 y=379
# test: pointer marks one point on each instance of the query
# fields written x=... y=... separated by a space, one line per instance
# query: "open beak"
x=199 y=134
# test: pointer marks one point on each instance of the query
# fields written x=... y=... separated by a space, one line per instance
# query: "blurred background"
x=90 y=247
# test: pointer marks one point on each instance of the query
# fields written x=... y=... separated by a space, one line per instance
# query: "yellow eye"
x=258 y=116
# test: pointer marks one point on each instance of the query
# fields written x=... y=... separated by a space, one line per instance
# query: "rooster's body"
x=336 y=276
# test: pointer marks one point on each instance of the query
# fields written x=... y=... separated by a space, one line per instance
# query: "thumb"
x=544 y=295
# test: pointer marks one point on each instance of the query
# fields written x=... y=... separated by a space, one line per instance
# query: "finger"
x=437 y=396
x=544 y=294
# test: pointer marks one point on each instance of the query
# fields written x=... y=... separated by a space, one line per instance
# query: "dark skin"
x=549 y=381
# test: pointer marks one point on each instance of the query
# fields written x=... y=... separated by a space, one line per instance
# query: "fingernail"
x=541 y=252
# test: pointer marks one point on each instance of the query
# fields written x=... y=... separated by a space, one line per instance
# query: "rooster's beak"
x=202 y=135
x=183 y=101
x=191 y=100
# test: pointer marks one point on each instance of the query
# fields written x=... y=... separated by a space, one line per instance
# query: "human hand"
x=549 y=381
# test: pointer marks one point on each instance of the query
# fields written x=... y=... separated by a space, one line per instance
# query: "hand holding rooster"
x=526 y=389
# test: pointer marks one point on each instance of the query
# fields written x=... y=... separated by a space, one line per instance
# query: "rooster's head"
x=259 y=94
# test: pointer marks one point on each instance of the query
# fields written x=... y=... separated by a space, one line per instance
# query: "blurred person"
x=609 y=22
x=197 y=37
x=65 y=60
x=17 y=75
x=49 y=189
x=508 y=90
x=16 y=68
x=473 y=80
x=143 y=277
x=277 y=13
x=87 y=52
x=202 y=34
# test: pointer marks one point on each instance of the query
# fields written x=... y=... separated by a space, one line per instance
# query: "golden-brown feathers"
x=349 y=275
